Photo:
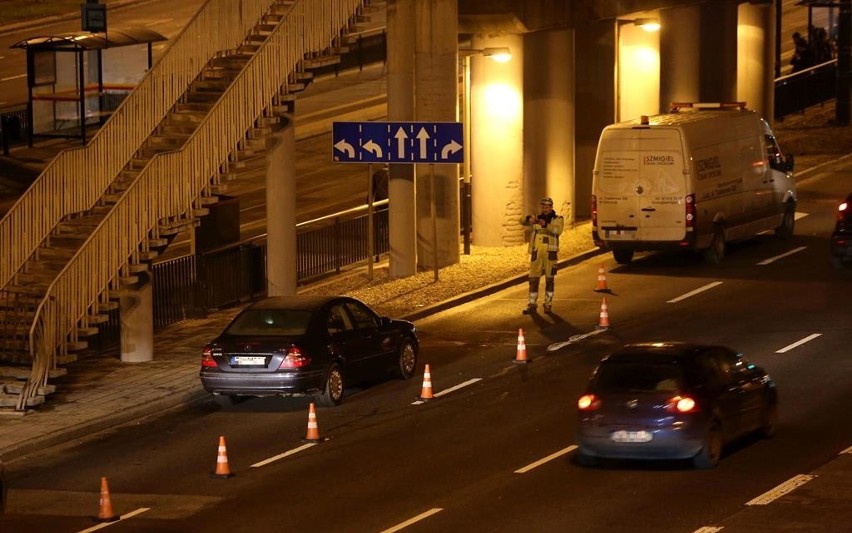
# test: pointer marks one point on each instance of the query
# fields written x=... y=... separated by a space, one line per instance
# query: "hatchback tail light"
x=294 y=358
x=842 y=210
x=682 y=404
x=207 y=357
x=589 y=402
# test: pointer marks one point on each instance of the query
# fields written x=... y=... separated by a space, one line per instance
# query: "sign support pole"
x=370 y=199
x=434 y=219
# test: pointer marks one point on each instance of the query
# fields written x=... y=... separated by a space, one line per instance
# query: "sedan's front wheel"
x=332 y=392
x=407 y=361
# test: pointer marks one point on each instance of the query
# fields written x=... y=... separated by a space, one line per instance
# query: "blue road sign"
x=397 y=142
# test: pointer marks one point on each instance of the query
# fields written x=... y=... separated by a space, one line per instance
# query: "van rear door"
x=641 y=185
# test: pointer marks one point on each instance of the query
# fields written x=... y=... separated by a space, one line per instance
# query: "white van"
x=692 y=179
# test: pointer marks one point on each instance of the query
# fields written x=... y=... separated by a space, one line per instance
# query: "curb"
x=495 y=287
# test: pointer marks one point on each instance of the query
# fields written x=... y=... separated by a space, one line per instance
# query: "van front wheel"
x=788 y=223
x=623 y=257
x=716 y=251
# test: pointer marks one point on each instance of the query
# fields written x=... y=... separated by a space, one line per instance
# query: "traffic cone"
x=600 y=286
x=604 y=318
x=105 y=513
x=313 y=429
x=426 y=391
x=521 y=356
x=222 y=469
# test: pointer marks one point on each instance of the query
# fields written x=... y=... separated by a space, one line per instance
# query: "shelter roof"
x=84 y=40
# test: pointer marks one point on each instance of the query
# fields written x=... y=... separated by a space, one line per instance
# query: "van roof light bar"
x=677 y=106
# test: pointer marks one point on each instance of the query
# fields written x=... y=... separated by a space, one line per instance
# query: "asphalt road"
x=493 y=451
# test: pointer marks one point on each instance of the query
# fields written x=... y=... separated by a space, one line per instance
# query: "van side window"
x=773 y=153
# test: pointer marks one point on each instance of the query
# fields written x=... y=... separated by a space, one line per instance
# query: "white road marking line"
x=847 y=450
x=550 y=457
x=10 y=78
x=285 y=454
x=131 y=514
x=696 y=291
x=708 y=529
x=451 y=389
x=784 y=488
x=417 y=518
x=777 y=257
x=799 y=343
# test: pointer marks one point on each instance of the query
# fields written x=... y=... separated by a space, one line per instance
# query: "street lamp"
x=648 y=24
x=500 y=54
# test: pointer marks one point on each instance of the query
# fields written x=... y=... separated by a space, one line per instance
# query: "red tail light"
x=207 y=357
x=682 y=404
x=841 y=211
x=589 y=402
x=295 y=358
x=690 y=212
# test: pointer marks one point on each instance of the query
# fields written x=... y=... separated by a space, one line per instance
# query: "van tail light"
x=589 y=402
x=690 y=212
x=207 y=357
x=681 y=404
x=594 y=211
x=294 y=358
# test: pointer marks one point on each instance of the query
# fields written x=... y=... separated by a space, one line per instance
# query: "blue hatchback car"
x=672 y=400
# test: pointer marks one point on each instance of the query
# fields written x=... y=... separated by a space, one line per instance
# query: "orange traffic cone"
x=426 y=391
x=521 y=356
x=604 y=319
x=105 y=513
x=222 y=469
x=313 y=429
x=600 y=286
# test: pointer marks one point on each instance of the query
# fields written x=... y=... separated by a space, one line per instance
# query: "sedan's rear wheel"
x=710 y=454
x=407 y=361
x=332 y=392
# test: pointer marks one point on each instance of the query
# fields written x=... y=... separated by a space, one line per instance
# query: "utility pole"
x=844 y=62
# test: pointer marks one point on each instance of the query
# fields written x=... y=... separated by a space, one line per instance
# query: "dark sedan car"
x=672 y=400
x=841 y=238
x=306 y=345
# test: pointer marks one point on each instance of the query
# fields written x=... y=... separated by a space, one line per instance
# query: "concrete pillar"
x=755 y=58
x=680 y=72
x=136 y=312
x=436 y=80
x=638 y=74
x=594 y=94
x=401 y=189
x=281 y=269
x=497 y=143
x=549 y=122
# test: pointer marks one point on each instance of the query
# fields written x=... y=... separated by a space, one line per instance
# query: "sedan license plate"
x=631 y=436
x=248 y=360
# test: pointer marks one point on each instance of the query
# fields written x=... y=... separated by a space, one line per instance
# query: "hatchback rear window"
x=270 y=322
x=637 y=377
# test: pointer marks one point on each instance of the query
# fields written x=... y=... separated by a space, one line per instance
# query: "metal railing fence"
x=796 y=92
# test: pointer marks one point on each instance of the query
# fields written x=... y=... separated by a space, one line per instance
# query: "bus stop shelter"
x=78 y=79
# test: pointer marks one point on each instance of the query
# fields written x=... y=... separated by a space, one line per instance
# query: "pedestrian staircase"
x=89 y=226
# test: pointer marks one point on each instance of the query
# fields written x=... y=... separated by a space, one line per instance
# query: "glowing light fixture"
x=648 y=24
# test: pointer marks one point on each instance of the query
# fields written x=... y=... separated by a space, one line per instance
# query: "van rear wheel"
x=716 y=251
x=788 y=222
x=623 y=257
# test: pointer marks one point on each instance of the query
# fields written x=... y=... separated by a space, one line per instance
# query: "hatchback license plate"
x=632 y=436
x=246 y=360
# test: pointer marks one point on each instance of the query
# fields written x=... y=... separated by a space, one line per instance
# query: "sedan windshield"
x=270 y=322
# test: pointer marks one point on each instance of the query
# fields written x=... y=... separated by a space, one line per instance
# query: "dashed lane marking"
x=785 y=254
x=451 y=389
x=696 y=291
x=131 y=514
x=784 y=488
x=416 y=519
x=799 y=343
x=550 y=457
x=283 y=455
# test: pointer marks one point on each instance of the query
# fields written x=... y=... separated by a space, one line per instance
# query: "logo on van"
x=658 y=160
x=709 y=167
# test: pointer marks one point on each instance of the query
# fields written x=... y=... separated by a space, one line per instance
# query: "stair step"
x=320 y=61
x=97 y=319
x=87 y=331
x=194 y=107
x=17 y=387
x=106 y=307
x=11 y=400
x=22 y=372
x=203 y=97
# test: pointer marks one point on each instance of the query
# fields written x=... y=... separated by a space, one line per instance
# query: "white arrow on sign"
x=450 y=149
x=370 y=146
x=344 y=146
x=400 y=137
x=422 y=136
